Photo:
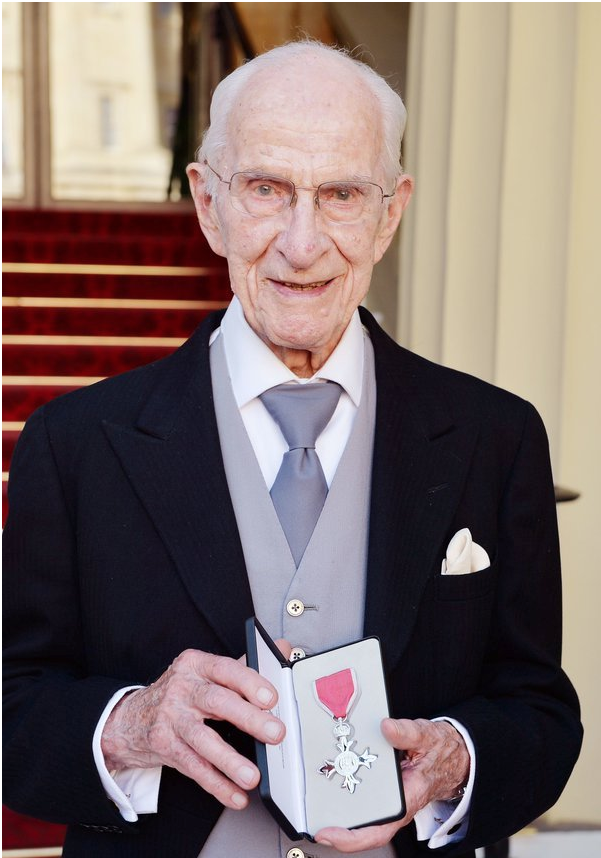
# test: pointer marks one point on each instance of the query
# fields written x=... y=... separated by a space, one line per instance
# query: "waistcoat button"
x=295 y=607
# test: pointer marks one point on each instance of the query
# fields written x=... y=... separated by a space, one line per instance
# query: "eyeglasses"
x=261 y=195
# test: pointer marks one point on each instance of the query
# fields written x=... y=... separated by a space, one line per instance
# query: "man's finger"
x=222 y=704
x=360 y=839
x=208 y=777
x=208 y=745
x=230 y=673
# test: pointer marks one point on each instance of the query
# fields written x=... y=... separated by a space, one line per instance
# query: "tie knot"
x=302 y=411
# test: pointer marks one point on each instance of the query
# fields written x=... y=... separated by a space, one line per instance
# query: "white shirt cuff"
x=435 y=821
x=134 y=791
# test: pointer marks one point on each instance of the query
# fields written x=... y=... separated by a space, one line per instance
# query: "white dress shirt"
x=254 y=368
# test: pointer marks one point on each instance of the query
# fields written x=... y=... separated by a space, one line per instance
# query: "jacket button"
x=295 y=852
x=295 y=607
x=297 y=653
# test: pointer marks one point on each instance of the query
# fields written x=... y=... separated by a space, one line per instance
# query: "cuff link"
x=455 y=799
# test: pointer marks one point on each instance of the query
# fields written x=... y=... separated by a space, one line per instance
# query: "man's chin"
x=302 y=352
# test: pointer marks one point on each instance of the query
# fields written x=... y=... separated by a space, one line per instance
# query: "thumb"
x=284 y=647
x=401 y=733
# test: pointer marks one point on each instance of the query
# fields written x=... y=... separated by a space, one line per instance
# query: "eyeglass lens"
x=264 y=196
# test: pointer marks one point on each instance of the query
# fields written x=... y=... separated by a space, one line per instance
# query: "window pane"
x=12 y=101
x=115 y=72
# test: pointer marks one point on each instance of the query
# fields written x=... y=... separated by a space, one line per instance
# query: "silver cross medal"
x=336 y=694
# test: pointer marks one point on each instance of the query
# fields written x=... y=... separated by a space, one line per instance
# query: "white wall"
x=500 y=264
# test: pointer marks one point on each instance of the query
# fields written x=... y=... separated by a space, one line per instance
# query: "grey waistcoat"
x=330 y=580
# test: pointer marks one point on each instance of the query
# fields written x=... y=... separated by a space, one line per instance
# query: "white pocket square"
x=464 y=555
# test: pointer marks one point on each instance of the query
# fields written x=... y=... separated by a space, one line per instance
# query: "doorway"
x=104 y=103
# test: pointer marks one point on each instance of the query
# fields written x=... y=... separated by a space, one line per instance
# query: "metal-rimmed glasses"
x=262 y=195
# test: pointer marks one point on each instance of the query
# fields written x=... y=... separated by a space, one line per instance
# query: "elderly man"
x=142 y=533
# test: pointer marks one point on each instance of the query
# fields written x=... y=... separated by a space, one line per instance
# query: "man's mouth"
x=303 y=287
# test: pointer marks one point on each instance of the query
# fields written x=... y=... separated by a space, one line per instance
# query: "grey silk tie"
x=302 y=411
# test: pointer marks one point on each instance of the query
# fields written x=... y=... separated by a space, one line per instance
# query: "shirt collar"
x=254 y=368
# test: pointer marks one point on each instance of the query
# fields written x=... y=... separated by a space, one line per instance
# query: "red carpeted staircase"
x=88 y=294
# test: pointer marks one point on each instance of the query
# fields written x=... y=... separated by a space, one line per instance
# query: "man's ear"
x=205 y=208
x=392 y=216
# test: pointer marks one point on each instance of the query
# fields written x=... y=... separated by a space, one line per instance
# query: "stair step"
x=73 y=356
x=95 y=223
x=209 y=284
x=21 y=395
x=155 y=250
x=131 y=318
x=90 y=294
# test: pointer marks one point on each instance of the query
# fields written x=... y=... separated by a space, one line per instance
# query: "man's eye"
x=264 y=190
x=341 y=193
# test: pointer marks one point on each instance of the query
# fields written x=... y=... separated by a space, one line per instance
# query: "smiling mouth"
x=303 y=287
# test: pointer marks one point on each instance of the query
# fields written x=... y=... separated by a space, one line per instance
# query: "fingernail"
x=324 y=842
x=273 y=730
x=264 y=695
x=239 y=799
x=246 y=774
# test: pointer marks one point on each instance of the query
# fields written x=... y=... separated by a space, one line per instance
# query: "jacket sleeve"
x=51 y=706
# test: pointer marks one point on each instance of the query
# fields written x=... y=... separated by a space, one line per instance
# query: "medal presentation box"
x=334 y=767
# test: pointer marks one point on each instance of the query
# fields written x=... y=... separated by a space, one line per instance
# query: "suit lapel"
x=173 y=459
x=421 y=458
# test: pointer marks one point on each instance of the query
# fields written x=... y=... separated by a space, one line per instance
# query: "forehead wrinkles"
x=314 y=111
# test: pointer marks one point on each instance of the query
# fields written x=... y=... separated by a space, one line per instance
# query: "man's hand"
x=435 y=765
x=164 y=724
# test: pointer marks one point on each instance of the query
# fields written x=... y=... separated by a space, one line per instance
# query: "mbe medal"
x=336 y=694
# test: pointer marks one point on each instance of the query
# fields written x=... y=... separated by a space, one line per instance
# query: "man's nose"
x=302 y=238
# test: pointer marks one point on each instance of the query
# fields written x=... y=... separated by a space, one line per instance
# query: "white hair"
x=392 y=109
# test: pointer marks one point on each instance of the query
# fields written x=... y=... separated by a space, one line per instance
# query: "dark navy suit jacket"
x=121 y=550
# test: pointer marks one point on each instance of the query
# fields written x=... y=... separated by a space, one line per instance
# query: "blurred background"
x=496 y=270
